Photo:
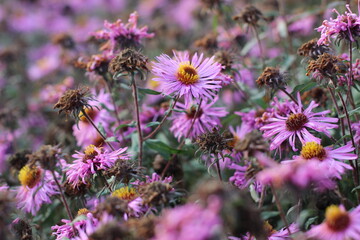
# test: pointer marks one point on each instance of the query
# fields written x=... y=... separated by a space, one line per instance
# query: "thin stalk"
x=348 y=120
x=282 y=9
x=349 y=93
x=290 y=96
x=62 y=197
x=96 y=128
x=281 y=210
x=162 y=121
x=332 y=94
x=138 y=123
x=218 y=167
x=260 y=46
x=262 y=197
x=182 y=142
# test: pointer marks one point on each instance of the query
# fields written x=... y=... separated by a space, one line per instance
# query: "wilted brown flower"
x=22 y=229
x=113 y=206
x=317 y=94
x=251 y=143
x=123 y=171
x=46 y=156
x=142 y=228
x=312 y=49
x=327 y=65
x=19 y=159
x=225 y=59
x=208 y=42
x=77 y=191
x=272 y=78
x=64 y=40
x=73 y=101
x=128 y=60
x=156 y=193
x=111 y=231
x=250 y=15
x=213 y=142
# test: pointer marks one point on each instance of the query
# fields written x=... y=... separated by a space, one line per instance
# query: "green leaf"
x=132 y=124
x=304 y=87
x=269 y=214
x=162 y=148
x=350 y=113
x=112 y=139
x=151 y=124
x=101 y=129
x=148 y=91
x=355 y=189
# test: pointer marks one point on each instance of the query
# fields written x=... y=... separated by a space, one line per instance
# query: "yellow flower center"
x=92 y=112
x=187 y=73
x=336 y=218
x=125 y=193
x=269 y=229
x=313 y=150
x=82 y=211
x=29 y=176
x=90 y=152
x=296 y=121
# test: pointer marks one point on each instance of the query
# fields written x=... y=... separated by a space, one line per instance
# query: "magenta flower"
x=207 y=118
x=92 y=160
x=296 y=124
x=122 y=34
x=189 y=222
x=345 y=26
x=338 y=225
x=282 y=234
x=195 y=79
x=37 y=186
x=327 y=157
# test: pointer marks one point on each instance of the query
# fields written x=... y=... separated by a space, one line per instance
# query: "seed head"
x=213 y=142
x=128 y=60
x=312 y=49
x=156 y=193
x=19 y=159
x=47 y=156
x=225 y=59
x=327 y=65
x=73 y=102
x=271 y=77
x=250 y=15
x=208 y=42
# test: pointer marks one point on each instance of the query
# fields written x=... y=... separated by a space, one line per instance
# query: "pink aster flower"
x=189 y=222
x=123 y=35
x=296 y=124
x=356 y=128
x=344 y=26
x=338 y=225
x=193 y=78
x=243 y=177
x=282 y=234
x=327 y=157
x=207 y=118
x=92 y=160
x=37 y=186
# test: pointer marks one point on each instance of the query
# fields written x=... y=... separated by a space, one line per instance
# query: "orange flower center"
x=29 y=176
x=296 y=121
x=187 y=73
x=336 y=218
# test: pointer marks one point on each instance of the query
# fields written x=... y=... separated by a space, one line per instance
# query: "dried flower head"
x=98 y=63
x=272 y=78
x=64 y=40
x=22 y=229
x=327 y=65
x=128 y=60
x=317 y=94
x=211 y=4
x=142 y=228
x=208 y=42
x=19 y=159
x=73 y=101
x=312 y=49
x=225 y=59
x=47 y=156
x=123 y=171
x=252 y=142
x=250 y=15
x=113 y=206
x=213 y=142
x=111 y=231
x=156 y=193
x=75 y=191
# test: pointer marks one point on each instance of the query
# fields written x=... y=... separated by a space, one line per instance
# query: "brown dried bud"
x=251 y=143
x=272 y=78
x=142 y=228
x=123 y=171
x=225 y=59
x=327 y=65
x=250 y=15
x=111 y=231
x=208 y=42
x=213 y=142
x=98 y=63
x=77 y=191
x=64 y=40
x=317 y=94
x=113 y=206
x=156 y=193
x=19 y=159
x=312 y=49
x=47 y=156
x=128 y=60
x=73 y=101
x=22 y=229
